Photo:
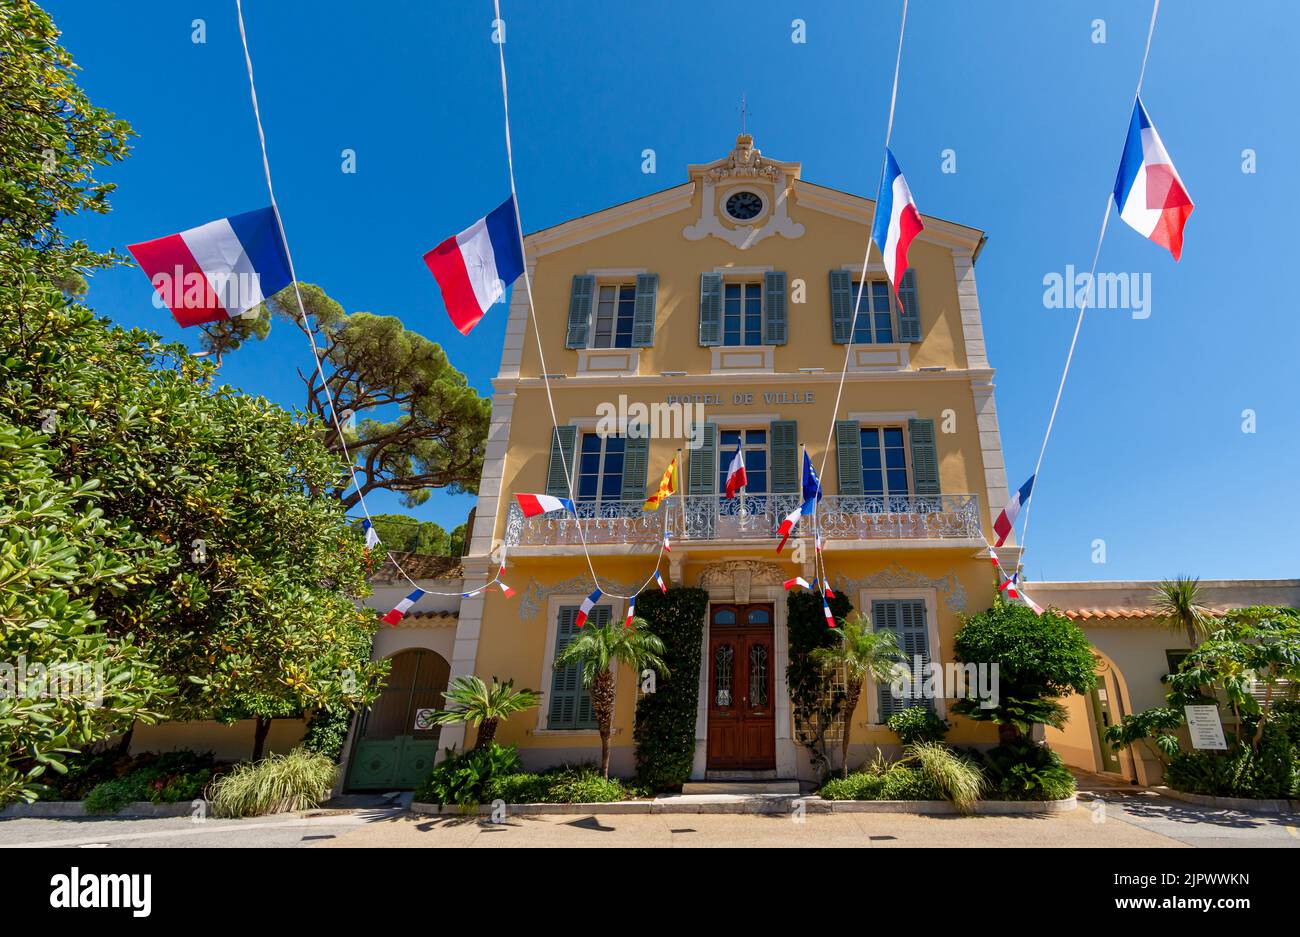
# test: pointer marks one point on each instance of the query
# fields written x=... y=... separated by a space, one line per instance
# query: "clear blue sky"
x=1148 y=452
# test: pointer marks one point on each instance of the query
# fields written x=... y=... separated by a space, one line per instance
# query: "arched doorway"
x=395 y=745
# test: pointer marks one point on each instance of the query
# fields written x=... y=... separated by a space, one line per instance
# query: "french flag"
x=401 y=608
x=736 y=473
x=1148 y=191
x=826 y=610
x=533 y=505
x=587 y=605
x=631 y=611
x=474 y=268
x=218 y=270
x=1002 y=526
x=796 y=581
x=660 y=580
x=787 y=526
x=897 y=220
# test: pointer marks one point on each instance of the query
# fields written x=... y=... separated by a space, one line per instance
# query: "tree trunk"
x=124 y=743
x=262 y=728
x=487 y=731
x=602 y=701
x=1007 y=733
x=850 y=704
x=1191 y=634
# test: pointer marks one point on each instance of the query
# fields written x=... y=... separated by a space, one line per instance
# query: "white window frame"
x=744 y=282
x=618 y=284
x=600 y=471
x=725 y=454
x=890 y=299
x=907 y=458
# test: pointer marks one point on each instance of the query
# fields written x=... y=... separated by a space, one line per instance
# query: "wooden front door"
x=742 y=692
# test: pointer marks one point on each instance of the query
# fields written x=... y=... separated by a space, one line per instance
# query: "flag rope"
x=306 y=326
x=1083 y=308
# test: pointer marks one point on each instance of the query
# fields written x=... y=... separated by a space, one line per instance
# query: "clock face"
x=744 y=205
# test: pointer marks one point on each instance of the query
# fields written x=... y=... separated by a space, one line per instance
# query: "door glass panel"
x=758 y=675
x=723 y=670
x=724 y=616
x=759 y=616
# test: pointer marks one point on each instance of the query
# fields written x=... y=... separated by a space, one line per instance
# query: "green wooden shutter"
x=906 y=618
x=702 y=477
x=636 y=459
x=710 y=309
x=557 y=484
x=774 y=317
x=848 y=456
x=580 y=304
x=643 y=310
x=909 y=309
x=841 y=307
x=925 y=459
x=570 y=705
x=783 y=456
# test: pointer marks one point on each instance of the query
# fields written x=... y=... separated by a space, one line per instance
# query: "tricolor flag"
x=543 y=504
x=585 y=609
x=829 y=593
x=812 y=486
x=1038 y=609
x=826 y=610
x=660 y=579
x=667 y=486
x=631 y=610
x=218 y=270
x=736 y=473
x=401 y=608
x=1010 y=586
x=509 y=593
x=897 y=220
x=1148 y=191
x=994 y=557
x=668 y=547
x=787 y=526
x=474 y=268
x=372 y=538
x=1002 y=526
x=796 y=581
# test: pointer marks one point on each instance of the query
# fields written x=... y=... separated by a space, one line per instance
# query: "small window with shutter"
x=569 y=706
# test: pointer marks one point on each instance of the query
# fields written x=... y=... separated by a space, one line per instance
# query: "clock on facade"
x=744 y=205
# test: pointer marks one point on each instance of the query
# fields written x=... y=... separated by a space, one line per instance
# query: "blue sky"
x=1148 y=453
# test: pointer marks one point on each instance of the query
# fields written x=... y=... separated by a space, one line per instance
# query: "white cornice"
x=824 y=377
x=609 y=220
x=856 y=208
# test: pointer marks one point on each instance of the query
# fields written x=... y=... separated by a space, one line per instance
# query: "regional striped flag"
x=474 y=268
x=587 y=605
x=667 y=486
x=533 y=505
x=218 y=270
x=401 y=608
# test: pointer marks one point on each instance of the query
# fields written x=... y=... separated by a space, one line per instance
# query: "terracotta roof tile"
x=419 y=566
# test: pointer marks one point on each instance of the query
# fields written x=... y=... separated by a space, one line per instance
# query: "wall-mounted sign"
x=1205 y=727
x=742 y=398
x=424 y=720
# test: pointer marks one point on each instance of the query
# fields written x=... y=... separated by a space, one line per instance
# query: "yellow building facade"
x=723 y=308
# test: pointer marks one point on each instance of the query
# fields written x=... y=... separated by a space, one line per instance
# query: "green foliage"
x=327 y=732
x=816 y=700
x=665 y=719
x=376 y=367
x=276 y=784
x=1180 y=603
x=860 y=785
x=892 y=782
x=461 y=778
x=168 y=778
x=1154 y=728
x=471 y=700
x=1040 y=658
x=581 y=784
x=402 y=534
x=957 y=778
x=1025 y=770
x=918 y=724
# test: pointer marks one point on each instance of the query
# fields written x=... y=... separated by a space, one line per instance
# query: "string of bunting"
x=240 y=260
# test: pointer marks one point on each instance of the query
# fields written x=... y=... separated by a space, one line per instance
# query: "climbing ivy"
x=816 y=700
x=665 y=719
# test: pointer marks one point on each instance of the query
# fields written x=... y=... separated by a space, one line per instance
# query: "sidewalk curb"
x=56 y=809
x=768 y=804
x=1234 y=803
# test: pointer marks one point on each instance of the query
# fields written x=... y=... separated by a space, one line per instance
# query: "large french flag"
x=218 y=270
x=1148 y=190
x=533 y=505
x=897 y=220
x=474 y=268
x=736 y=478
x=1007 y=519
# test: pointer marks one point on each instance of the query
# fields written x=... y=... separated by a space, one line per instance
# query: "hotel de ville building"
x=731 y=293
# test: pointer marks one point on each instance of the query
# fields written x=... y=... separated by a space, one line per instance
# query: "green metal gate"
x=395 y=747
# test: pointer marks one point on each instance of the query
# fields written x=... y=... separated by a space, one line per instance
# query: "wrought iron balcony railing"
x=753 y=517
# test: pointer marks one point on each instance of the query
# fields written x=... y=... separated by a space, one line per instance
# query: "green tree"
x=402 y=534
x=1180 y=603
x=594 y=651
x=861 y=654
x=473 y=701
x=1040 y=658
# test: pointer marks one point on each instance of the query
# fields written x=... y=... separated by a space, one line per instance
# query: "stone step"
x=740 y=788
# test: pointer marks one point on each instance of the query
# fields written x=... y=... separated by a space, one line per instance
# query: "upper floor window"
x=875 y=323
x=600 y=468
x=884 y=461
x=754 y=443
x=615 y=309
x=742 y=314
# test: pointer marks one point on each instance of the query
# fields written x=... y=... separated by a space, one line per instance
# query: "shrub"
x=918 y=724
x=956 y=778
x=523 y=788
x=815 y=698
x=665 y=719
x=327 y=732
x=585 y=785
x=903 y=782
x=168 y=778
x=276 y=784
x=1272 y=772
x=860 y=785
x=462 y=778
x=112 y=796
x=1025 y=770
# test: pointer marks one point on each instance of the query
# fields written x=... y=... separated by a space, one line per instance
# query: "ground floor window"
x=906 y=618
x=569 y=706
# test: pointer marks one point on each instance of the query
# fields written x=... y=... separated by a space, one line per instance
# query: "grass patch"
x=276 y=784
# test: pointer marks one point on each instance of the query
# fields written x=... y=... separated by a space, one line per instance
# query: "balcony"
x=754 y=517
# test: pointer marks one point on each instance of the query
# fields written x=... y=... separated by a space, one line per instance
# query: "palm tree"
x=863 y=653
x=472 y=700
x=594 y=650
x=1179 y=601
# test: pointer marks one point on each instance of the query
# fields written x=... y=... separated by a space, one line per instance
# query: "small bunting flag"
x=401 y=608
x=509 y=593
x=786 y=527
x=826 y=610
x=372 y=537
x=587 y=605
x=796 y=581
x=631 y=610
x=660 y=579
x=668 y=547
